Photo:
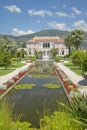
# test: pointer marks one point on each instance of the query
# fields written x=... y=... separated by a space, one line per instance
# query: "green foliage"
x=79 y=109
x=23 y=45
x=20 y=54
x=74 y=68
x=21 y=126
x=6 y=121
x=24 y=86
x=84 y=66
x=11 y=68
x=5 y=116
x=5 y=59
x=74 y=118
x=7 y=44
x=74 y=39
x=78 y=57
x=32 y=58
x=38 y=54
x=77 y=37
x=67 y=56
x=68 y=42
x=57 y=58
x=51 y=85
x=54 y=52
x=13 y=59
x=60 y=121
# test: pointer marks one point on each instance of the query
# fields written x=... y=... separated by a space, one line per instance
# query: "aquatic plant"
x=51 y=85
x=6 y=119
x=60 y=121
x=24 y=86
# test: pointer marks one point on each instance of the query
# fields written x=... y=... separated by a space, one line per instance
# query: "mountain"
x=24 y=38
x=53 y=32
x=58 y=33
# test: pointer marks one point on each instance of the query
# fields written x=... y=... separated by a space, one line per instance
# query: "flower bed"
x=5 y=86
x=70 y=88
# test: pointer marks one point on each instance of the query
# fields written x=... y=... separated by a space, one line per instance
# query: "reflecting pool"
x=33 y=103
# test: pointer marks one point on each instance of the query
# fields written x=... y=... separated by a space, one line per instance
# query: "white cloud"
x=40 y=13
x=61 y=14
x=76 y=11
x=17 y=32
x=13 y=8
x=55 y=25
x=38 y=21
x=64 y=6
x=54 y=7
x=80 y=25
x=72 y=15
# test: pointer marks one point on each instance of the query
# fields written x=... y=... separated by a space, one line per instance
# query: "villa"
x=44 y=45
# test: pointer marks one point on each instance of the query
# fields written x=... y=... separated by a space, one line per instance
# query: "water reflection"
x=32 y=103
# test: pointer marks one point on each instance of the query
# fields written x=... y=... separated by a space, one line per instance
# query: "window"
x=46 y=45
x=62 y=52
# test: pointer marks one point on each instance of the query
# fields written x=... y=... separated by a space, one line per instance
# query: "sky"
x=20 y=17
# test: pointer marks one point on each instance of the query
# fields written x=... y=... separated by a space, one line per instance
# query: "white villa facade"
x=45 y=44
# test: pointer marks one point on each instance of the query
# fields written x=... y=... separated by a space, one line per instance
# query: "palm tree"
x=68 y=43
x=77 y=37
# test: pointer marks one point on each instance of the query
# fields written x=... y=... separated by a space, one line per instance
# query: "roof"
x=38 y=39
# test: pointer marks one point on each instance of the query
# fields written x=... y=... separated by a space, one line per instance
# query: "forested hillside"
x=59 y=33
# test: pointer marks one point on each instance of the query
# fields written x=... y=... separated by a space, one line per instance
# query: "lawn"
x=11 y=68
x=74 y=68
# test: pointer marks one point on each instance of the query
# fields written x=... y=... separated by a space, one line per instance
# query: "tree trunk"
x=76 y=47
x=5 y=67
x=69 y=50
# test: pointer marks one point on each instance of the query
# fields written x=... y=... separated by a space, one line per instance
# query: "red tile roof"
x=37 y=39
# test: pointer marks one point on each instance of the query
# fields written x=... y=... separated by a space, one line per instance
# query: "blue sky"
x=19 y=17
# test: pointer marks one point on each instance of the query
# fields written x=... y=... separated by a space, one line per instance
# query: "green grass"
x=4 y=72
x=17 y=64
x=11 y=68
x=74 y=68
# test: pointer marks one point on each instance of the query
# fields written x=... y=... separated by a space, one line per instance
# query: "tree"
x=78 y=57
x=68 y=42
x=23 y=45
x=5 y=59
x=54 y=52
x=57 y=58
x=76 y=37
x=85 y=64
x=8 y=45
x=38 y=54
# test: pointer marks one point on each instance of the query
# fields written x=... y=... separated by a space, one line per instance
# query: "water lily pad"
x=24 y=86
x=51 y=85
